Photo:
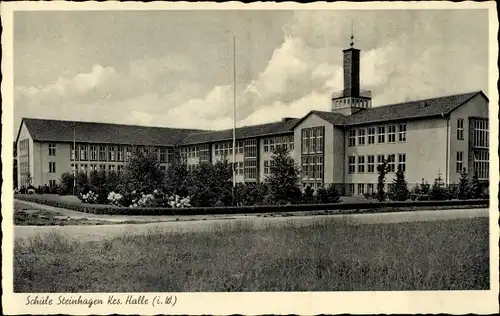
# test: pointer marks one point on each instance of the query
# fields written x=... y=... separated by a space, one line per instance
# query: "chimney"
x=351 y=72
x=286 y=119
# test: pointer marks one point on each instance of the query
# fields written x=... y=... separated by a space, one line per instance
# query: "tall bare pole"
x=74 y=159
x=234 y=114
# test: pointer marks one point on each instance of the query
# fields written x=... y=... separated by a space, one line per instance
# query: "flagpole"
x=234 y=114
x=74 y=159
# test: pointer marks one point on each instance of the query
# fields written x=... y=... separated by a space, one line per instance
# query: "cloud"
x=405 y=55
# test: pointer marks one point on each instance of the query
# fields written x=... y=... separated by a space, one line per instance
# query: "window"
x=460 y=161
x=392 y=134
x=312 y=167
x=52 y=183
x=361 y=137
x=402 y=162
x=250 y=148
x=266 y=145
x=128 y=153
x=163 y=168
x=240 y=145
x=111 y=168
x=381 y=134
x=83 y=152
x=292 y=143
x=319 y=140
x=266 y=167
x=460 y=129
x=352 y=164
x=217 y=149
x=305 y=166
x=481 y=164
x=369 y=188
x=52 y=167
x=93 y=152
x=380 y=160
x=240 y=168
x=121 y=154
x=52 y=149
x=73 y=152
x=120 y=169
x=204 y=153
x=391 y=162
x=102 y=167
x=305 y=142
x=84 y=168
x=93 y=167
x=250 y=170
x=352 y=138
x=163 y=154
x=111 y=153
x=371 y=163
x=481 y=134
x=402 y=133
x=350 y=189
x=361 y=164
x=319 y=167
x=371 y=135
x=102 y=153
x=361 y=188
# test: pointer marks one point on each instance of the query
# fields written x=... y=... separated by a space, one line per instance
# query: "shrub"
x=176 y=177
x=463 y=186
x=90 y=198
x=115 y=198
x=475 y=190
x=438 y=191
x=328 y=195
x=67 y=183
x=308 y=196
x=208 y=183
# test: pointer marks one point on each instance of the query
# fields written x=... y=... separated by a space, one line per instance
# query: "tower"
x=351 y=99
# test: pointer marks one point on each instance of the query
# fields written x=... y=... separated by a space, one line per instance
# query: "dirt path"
x=100 y=232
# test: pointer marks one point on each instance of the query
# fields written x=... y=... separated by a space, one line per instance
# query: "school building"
x=342 y=146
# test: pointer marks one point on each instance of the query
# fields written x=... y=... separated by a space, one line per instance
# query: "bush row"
x=344 y=208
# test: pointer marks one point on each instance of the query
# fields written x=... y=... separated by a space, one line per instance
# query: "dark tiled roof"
x=92 y=132
x=410 y=110
x=242 y=132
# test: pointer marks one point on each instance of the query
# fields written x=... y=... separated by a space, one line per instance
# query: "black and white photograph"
x=252 y=159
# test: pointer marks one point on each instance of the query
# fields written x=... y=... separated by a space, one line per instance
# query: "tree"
x=67 y=182
x=82 y=183
x=98 y=185
x=475 y=190
x=399 y=190
x=210 y=184
x=176 y=177
x=141 y=174
x=463 y=185
x=382 y=170
x=438 y=191
x=283 y=178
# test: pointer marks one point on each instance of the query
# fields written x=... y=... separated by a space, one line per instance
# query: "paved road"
x=109 y=231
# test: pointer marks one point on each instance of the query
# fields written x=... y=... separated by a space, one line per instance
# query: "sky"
x=175 y=68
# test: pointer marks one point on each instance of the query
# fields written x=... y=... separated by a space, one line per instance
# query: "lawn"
x=328 y=256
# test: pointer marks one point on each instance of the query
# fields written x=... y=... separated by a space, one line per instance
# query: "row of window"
x=120 y=153
x=363 y=136
x=362 y=165
x=313 y=140
x=481 y=163
x=312 y=167
x=363 y=188
x=201 y=151
x=86 y=168
x=271 y=143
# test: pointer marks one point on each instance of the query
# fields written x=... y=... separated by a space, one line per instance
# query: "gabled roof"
x=330 y=117
x=103 y=133
x=275 y=128
x=411 y=110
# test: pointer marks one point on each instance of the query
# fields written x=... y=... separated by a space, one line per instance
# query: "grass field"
x=327 y=256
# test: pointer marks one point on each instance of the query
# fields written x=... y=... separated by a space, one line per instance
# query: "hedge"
x=346 y=208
